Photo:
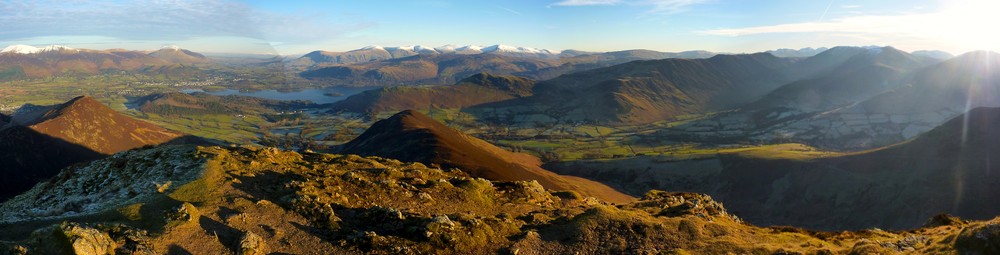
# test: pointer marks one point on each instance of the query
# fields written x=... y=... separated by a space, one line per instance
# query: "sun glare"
x=969 y=24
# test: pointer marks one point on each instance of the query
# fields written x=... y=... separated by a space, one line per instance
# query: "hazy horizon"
x=266 y=27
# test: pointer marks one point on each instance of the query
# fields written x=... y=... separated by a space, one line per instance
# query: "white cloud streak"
x=586 y=2
x=910 y=25
x=657 y=6
x=159 y=20
x=966 y=25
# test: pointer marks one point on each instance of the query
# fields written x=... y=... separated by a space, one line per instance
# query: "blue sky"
x=295 y=27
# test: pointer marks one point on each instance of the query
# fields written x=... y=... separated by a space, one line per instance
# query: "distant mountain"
x=864 y=74
x=799 y=53
x=427 y=69
x=376 y=53
x=28 y=49
x=475 y=90
x=926 y=98
x=935 y=54
x=350 y=57
x=816 y=109
x=416 y=65
x=177 y=55
x=22 y=61
x=37 y=144
x=960 y=83
x=413 y=136
x=654 y=90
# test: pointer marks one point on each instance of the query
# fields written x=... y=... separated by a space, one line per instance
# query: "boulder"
x=252 y=244
x=87 y=240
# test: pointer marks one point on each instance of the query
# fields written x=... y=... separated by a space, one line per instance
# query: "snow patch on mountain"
x=28 y=49
x=514 y=49
x=373 y=47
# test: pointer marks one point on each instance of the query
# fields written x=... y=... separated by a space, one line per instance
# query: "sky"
x=297 y=27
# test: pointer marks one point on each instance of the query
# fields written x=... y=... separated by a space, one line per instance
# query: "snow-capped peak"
x=171 y=47
x=28 y=49
x=470 y=48
x=414 y=48
x=20 y=49
x=513 y=49
x=56 y=48
x=467 y=49
x=446 y=48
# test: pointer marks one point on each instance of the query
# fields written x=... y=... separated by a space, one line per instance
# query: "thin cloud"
x=509 y=10
x=965 y=26
x=910 y=24
x=657 y=6
x=586 y=2
x=161 y=20
x=670 y=6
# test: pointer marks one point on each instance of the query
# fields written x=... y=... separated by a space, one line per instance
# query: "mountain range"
x=870 y=100
x=845 y=98
x=474 y=90
x=22 y=61
x=377 y=53
x=423 y=69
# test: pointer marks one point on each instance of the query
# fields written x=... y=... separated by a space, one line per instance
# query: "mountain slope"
x=950 y=169
x=37 y=144
x=654 y=90
x=821 y=109
x=960 y=83
x=863 y=75
x=475 y=90
x=413 y=136
x=90 y=123
x=946 y=170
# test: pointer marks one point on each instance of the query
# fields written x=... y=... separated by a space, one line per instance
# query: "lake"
x=319 y=96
